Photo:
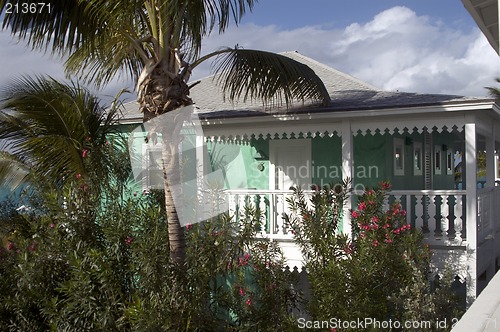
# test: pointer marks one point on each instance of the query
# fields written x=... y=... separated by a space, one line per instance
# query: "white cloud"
x=397 y=50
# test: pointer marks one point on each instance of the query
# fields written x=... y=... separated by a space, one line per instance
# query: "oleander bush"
x=75 y=263
x=380 y=273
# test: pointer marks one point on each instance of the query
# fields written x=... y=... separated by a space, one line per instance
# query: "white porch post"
x=471 y=209
x=200 y=164
x=347 y=170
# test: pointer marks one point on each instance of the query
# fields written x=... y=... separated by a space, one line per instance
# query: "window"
x=449 y=162
x=417 y=158
x=399 y=160
x=152 y=170
x=437 y=159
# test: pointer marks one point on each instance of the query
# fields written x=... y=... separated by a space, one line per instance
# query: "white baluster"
x=408 y=209
x=445 y=212
x=458 y=218
x=263 y=213
x=280 y=202
x=431 y=213
x=397 y=199
x=385 y=205
x=419 y=212
x=232 y=204
x=241 y=206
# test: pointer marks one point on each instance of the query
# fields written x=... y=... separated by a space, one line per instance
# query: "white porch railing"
x=488 y=208
x=439 y=213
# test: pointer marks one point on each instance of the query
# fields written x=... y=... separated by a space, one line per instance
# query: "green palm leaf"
x=53 y=127
x=271 y=77
x=494 y=92
x=13 y=171
x=60 y=27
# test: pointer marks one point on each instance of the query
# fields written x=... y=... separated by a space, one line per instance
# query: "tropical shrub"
x=81 y=264
x=379 y=273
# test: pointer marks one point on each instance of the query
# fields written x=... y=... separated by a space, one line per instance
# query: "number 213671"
x=27 y=8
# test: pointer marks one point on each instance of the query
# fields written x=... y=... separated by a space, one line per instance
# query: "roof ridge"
x=329 y=68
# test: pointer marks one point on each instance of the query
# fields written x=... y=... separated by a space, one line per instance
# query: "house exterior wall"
x=373 y=161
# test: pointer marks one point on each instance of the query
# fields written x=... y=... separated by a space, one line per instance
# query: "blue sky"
x=426 y=46
x=339 y=13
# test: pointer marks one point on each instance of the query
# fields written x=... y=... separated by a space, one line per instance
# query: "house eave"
x=485 y=13
x=326 y=113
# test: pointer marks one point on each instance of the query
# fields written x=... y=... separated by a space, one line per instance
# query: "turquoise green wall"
x=444 y=180
x=373 y=160
x=326 y=160
x=236 y=160
x=370 y=160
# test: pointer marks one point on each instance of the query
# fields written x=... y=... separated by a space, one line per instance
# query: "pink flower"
x=248 y=302
x=78 y=176
x=361 y=206
x=10 y=246
x=32 y=247
x=135 y=193
x=371 y=202
x=354 y=214
x=385 y=185
x=242 y=291
x=129 y=240
x=375 y=219
x=85 y=152
x=375 y=243
x=52 y=225
x=189 y=227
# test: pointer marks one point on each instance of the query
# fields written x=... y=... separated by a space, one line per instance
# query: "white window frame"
x=399 y=143
x=437 y=159
x=146 y=162
x=417 y=163
x=450 y=161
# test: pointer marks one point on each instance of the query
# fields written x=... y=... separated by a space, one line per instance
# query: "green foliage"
x=77 y=264
x=381 y=273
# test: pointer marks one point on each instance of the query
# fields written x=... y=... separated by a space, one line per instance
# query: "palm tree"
x=158 y=44
x=494 y=92
x=55 y=134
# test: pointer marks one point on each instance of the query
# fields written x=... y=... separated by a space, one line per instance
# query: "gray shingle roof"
x=347 y=93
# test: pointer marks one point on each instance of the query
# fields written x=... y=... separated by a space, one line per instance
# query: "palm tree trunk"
x=171 y=175
x=159 y=94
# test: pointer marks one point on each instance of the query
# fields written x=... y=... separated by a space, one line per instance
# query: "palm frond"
x=50 y=125
x=197 y=19
x=111 y=57
x=13 y=171
x=271 y=77
x=59 y=25
x=494 y=92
